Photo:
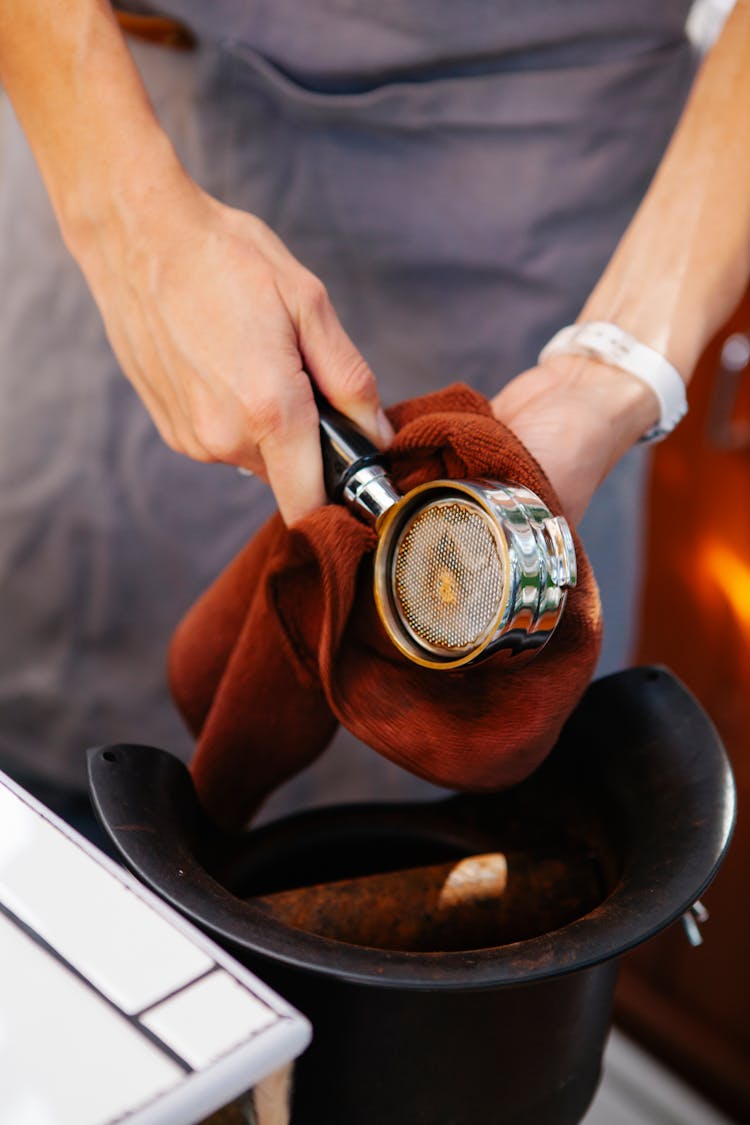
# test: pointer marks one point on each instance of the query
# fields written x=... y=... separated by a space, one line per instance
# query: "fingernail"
x=385 y=429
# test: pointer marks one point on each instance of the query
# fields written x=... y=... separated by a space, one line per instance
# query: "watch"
x=613 y=345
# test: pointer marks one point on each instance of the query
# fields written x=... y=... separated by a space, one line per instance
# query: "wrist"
x=612 y=346
x=619 y=406
x=82 y=104
x=119 y=195
x=577 y=416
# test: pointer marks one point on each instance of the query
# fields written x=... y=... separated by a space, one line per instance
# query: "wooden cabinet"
x=692 y=1006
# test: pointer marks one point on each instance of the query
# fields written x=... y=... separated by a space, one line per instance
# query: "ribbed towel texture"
x=287 y=643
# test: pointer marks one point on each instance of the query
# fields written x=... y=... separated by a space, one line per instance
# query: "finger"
x=154 y=402
x=288 y=439
x=338 y=368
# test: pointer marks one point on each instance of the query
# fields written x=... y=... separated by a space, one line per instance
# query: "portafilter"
x=462 y=568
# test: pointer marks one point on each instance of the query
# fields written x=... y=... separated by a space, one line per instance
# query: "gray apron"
x=457 y=174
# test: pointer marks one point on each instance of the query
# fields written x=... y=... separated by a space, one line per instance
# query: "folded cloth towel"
x=287 y=643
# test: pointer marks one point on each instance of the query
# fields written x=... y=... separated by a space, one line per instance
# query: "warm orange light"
x=730 y=573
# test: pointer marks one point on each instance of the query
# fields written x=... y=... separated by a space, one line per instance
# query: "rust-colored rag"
x=287 y=643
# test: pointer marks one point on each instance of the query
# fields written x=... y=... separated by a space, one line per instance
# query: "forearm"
x=78 y=95
x=676 y=276
x=684 y=261
x=218 y=327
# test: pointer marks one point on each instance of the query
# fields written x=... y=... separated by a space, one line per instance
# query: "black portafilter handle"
x=346 y=448
x=353 y=468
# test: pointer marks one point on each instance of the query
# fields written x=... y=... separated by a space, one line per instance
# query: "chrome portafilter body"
x=462 y=568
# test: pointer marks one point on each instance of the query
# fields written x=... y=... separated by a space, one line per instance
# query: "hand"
x=577 y=417
x=220 y=329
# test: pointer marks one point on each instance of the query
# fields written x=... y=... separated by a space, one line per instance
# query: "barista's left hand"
x=578 y=417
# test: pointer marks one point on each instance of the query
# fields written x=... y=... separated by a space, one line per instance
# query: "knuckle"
x=186 y=445
x=266 y=293
x=197 y=453
x=270 y=418
x=216 y=441
x=314 y=293
x=283 y=418
x=357 y=381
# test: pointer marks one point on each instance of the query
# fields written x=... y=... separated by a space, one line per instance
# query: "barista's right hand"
x=220 y=329
x=215 y=323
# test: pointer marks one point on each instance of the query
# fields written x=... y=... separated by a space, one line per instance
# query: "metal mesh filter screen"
x=449 y=576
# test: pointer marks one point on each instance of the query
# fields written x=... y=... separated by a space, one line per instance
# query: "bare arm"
x=213 y=320
x=677 y=274
x=221 y=365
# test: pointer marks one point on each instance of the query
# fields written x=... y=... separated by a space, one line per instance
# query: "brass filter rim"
x=391 y=529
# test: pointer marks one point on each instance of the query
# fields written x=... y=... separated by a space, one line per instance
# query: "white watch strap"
x=613 y=345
